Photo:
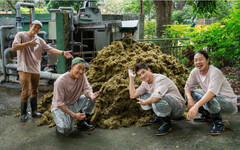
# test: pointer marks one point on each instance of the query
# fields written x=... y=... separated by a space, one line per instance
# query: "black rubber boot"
x=205 y=117
x=218 y=126
x=166 y=126
x=35 y=114
x=84 y=125
x=24 y=116
x=155 y=120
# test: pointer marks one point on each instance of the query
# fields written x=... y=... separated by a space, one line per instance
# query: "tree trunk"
x=163 y=13
x=180 y=4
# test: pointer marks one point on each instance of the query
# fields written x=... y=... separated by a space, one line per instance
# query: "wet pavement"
x=15 y=135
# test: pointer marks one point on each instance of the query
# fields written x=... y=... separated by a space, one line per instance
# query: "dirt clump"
x=44 y=106
x=109 y=72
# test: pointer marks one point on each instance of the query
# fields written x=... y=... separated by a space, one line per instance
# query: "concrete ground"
x=15 y=135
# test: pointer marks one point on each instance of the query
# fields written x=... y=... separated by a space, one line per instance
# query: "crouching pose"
x=159 y=93
x=215 y=97
x=68 y=103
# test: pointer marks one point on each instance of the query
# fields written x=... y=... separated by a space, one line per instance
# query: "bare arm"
x=67 y=54
x=132 y=92
x=79 y=116
x=193 y=111
x=93 y=96
x=148 y=101
x=21 y=46
x=207 y=97
x=190 y=99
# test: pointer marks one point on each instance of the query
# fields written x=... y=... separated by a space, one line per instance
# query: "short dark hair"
x=204 y=53
x=140 y=66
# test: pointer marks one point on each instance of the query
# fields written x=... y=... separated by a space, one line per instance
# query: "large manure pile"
x=109 y=72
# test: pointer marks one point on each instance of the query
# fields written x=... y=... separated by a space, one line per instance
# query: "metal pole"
x=141 y=5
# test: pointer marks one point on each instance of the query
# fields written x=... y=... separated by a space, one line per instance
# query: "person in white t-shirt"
x=29 y=49
x=215 y=96
x=73 y=97
x=159 y=93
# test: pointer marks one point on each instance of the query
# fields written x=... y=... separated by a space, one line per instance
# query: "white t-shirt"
x=160 y=86
x=214 y=81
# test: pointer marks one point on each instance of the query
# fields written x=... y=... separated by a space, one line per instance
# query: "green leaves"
x=221 y=40
x=203 y=7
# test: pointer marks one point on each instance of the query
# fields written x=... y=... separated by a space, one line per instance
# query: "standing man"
x=159 y=93
x=69 y=103
x=215 y=96
x=29 y=49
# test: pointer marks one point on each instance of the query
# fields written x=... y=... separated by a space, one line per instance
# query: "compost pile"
x=44 y=106
x=109 y=73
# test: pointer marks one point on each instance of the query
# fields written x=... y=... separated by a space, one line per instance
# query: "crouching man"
x=159 y=93
x=215 y=97
x=68 y=103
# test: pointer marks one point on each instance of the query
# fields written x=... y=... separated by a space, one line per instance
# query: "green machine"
x=86 y=33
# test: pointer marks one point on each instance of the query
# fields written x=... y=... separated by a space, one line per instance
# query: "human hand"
x=192 y=112
x=130 y=73
x=141 y=101
x=80 y=116
x=95 y=95
x=33 y=43
x=67 y=54
x=191 y=103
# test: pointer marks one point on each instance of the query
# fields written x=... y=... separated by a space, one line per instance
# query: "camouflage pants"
x=64 y=122
x=168 y=105
x=217 y=104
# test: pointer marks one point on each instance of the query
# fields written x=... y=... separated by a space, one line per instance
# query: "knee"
x=146 y=107
x=64 y=131
x=197 y=94
x=162 y=108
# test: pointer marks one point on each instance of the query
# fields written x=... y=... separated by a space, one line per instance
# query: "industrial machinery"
x=88 y=32
x=84 y=33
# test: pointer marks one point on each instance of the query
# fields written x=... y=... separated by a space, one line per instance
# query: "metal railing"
x=171 y=46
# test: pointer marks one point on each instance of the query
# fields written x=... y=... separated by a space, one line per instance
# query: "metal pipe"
x=43 y=74
x=49 y=75
x=71 y=22
x=2 y=50
x=18 y=13
x=141 y=6
x=7 y=65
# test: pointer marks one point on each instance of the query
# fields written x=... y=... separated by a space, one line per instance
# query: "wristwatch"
x=63 y=53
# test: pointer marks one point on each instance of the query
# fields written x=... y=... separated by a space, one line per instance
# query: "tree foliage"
x=220 y=39
x=109 y=7
x=182 y=16
x=150 y=29
x=134 y=7
x=204 y=6
x=54 y=4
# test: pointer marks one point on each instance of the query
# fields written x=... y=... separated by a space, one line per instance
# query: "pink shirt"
x=28 y=59
x=68 y=90
x=214 y=81
x=161 y=85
